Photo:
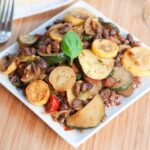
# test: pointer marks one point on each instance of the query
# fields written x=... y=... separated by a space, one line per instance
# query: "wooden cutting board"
x=20 y=129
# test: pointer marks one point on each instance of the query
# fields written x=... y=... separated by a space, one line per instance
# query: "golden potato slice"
x=62 y=78
x=137 y=61
x=77 y=16
x=95 y=67
x=37 y=92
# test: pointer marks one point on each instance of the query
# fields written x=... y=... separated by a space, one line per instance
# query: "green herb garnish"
x=71 y=45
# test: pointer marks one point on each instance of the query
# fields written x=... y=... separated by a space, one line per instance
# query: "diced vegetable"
x=90 y=93
x=85 y=118
x=123 y=79
x=12 y=67
x=77 y=16
x=26 y=39
x=95 y=67
x=37 y=92
x=28 y=58
x=54 y=58
x=70 y=96
x=105 y=48
x=62 y=78
x=52 y=105
x=137 y=61
x=127 y=92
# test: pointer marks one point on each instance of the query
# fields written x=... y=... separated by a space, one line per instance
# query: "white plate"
x=24 y=8
x=73 y=137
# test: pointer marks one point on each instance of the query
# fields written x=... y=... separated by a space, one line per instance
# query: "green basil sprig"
x=71 y=45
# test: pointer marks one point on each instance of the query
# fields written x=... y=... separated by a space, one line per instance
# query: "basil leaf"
x=71 y=45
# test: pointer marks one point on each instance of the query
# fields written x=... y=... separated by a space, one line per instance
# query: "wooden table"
x=20 y=129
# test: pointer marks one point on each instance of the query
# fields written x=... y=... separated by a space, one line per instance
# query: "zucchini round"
x=85 y=118
x=105 y=48
x=95 y=67
x=123 y=79
x=26 y=39
x=62 y=78
x=53 y=59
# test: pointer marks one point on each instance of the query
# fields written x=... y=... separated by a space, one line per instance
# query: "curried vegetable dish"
x=77 y=68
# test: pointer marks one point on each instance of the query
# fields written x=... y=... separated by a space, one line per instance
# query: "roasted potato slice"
x=77 y=16
x=62 y=78
x=37 y=92
x=95 y=67
x=137 y=61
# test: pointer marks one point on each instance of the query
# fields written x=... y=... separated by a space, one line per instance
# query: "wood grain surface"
x=20 y=129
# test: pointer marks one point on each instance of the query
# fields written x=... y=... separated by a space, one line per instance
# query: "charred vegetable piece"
x=85 y=118
x=85 y=95
x=123 y=79
x=8 y=65
x=70 y=96
x=26 y=39
x=37 y=92
x=77 y=16
x=137 y=61
x=127 y=92
x=28 y=58
x=101 y=67
x=110 y=25
x=62 y=78
x=53 y=58
x=52 y=105
x=105 y=48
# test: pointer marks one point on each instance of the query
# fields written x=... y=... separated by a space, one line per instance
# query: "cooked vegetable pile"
x=81 y=65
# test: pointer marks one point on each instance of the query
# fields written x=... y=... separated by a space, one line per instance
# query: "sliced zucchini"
x=26 y=39
x=54 y=31
x=127 y=92
x=37 y=92
x=123 y=79
x=137 y=61
x=62 y=78
x=105 y=48
x=95 y=67
x=55 y=35
x=77 y=16
x=85 y=118
x=53 y=59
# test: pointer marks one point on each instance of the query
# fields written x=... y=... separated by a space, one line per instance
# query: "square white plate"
x=73 y=137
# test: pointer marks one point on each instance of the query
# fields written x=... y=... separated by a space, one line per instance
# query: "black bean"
x=64 y=106
x=77 y=104
x=33 y=67
x=77 y=88
x=105 y=33
x=130 y=38
x=113 y=32
x=86 y=86
x=42 y=64
x=55 y=46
